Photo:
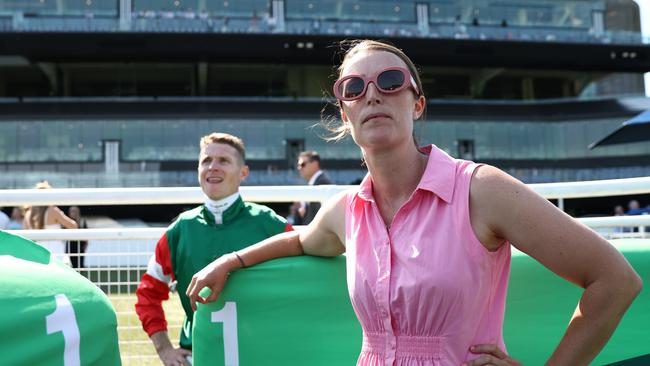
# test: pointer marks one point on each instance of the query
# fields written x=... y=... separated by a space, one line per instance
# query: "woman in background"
x=49 y=217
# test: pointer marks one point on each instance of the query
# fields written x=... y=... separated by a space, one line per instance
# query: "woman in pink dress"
x=427 y=237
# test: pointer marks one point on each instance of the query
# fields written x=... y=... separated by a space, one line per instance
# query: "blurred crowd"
x=72 y=252
x=633 y=208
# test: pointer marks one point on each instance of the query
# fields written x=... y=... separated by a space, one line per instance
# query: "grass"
x=135 y=346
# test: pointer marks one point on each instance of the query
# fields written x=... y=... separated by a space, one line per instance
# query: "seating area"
x=538 y=21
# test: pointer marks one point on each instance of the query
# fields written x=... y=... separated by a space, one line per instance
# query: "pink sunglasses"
x=390 y=80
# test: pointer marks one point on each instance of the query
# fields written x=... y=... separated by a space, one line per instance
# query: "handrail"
x=616 y=221
x=159 y=195
x=180 y=195
x=156 y=233
x=594 y=188
x=193 y=195
x=140 y=233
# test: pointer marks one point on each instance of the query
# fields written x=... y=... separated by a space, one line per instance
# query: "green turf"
x=540 y=305
x=135 y=347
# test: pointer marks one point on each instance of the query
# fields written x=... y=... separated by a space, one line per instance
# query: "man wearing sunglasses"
x=309 y=168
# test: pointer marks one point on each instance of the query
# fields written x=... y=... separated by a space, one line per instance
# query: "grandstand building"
x=117 y=92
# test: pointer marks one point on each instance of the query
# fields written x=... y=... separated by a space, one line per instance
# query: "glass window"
x=372 y=11
x=104 y=8
x=238 y=8
x=160 y=140
x=444 y=11
x=133 y=142
x=8 y=147
x=63 y=7
x=91 y=135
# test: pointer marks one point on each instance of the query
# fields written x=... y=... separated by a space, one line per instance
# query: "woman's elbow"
x=629 y=284
x=638 y=283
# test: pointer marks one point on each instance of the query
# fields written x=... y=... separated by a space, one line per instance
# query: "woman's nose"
x=372 y=93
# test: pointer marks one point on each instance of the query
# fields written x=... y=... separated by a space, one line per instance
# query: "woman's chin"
x=375 y=136
x=378 y=139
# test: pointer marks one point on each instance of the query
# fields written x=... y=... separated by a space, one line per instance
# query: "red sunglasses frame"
x=373 y=79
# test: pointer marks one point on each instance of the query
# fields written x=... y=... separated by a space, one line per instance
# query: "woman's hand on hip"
x=490 y=354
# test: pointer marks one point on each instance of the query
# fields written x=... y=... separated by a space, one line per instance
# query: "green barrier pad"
x=49 y=314
x=296 y=311
x=540 y=305
x=289 y=311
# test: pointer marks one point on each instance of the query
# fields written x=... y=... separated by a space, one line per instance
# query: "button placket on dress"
x=391 y=337
x=383 y=293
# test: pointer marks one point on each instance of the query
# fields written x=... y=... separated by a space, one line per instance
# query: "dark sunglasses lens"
x=390 y=80
x=352 y=88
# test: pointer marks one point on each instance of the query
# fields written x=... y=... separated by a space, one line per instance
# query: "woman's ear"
x=420 y=104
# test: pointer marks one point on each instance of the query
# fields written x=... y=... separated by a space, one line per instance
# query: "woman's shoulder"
x=50 y=214
x=332 y=212
x=488 y=177
x=339 y=199
x=53 y=211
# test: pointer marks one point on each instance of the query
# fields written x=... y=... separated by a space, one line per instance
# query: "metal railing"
x=193 y=195
x=180 y=195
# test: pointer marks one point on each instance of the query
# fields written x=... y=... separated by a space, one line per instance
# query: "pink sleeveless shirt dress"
x=425 y=289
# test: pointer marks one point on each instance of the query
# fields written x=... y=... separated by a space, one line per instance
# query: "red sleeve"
x=153 y=290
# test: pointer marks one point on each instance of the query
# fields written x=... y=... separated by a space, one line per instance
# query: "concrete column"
x=423 y=18
x=125 y=15
x=644 y=16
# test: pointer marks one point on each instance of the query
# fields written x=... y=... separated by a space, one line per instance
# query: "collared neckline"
x=313 y=178
x=222 y=204
x=439 y=176
x=228 y=215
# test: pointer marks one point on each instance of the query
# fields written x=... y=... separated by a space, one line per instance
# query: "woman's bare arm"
x=321 y=237
x=27 y=220
x=61 y=218
x=502 y=208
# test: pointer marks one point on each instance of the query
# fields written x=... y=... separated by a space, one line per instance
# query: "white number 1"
x=228 y=316
x=63 y=320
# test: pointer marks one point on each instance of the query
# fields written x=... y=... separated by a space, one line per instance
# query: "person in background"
x=4 y=219
x=76 y=249
x=633 y=208
x=428 y=237
x=309 y=168
x=16 y=220
x=619 y=211
x=222 y=224
x=49 y=217
x=294 y=217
